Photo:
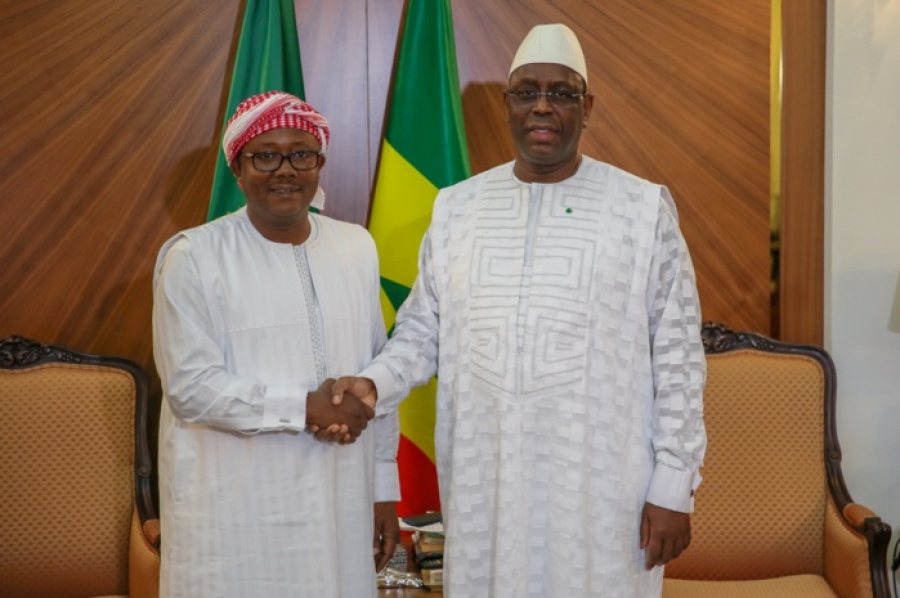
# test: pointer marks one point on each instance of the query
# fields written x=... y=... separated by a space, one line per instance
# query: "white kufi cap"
x=553 y=44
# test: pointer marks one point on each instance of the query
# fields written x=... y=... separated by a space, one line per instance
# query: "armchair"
x=773 y=516
x=76 y=512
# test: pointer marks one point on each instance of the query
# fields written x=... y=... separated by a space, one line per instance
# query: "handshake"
x=339 y=410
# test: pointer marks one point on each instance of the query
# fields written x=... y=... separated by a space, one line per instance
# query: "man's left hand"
x=664 y=534
x=387 y=533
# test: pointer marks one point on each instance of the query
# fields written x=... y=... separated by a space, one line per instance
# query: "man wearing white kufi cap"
x=557 y=303
x=552 y=44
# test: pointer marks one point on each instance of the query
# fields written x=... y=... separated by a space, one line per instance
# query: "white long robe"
x=251 y=504
x=565 y=321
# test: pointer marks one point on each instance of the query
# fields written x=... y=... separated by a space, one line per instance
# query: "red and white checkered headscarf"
x=272 y=110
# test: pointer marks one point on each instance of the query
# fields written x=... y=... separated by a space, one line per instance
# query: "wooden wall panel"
x=108 y=112
x=110 y=115
x=333 y=48
x=802 y=290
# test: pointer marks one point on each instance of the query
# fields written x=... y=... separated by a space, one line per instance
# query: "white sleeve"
x=679 y=369
x=387 y=427
x=387 y=442
x=191 y=364
x=410 y=357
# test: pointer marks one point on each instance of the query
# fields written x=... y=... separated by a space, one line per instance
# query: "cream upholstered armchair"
x=76 y=514
x=773 y=516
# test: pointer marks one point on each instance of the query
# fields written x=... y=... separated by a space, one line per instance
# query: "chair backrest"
x=74 y=464
x=769 y=413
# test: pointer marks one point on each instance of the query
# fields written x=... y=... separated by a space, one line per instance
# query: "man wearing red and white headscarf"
x=254 y=315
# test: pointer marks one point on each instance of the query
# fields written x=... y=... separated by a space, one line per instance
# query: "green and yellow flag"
x=268 y=58
x=424 y=149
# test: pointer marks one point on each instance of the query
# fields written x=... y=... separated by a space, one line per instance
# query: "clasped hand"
x=339 y=420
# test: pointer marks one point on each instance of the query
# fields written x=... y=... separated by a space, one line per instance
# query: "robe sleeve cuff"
x=673 y=489
x=284 y=409
x=387 y=482
x=384 y=384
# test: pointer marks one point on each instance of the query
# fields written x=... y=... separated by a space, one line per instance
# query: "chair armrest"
x=143 y=558
x=856 y=515
x=856 y=543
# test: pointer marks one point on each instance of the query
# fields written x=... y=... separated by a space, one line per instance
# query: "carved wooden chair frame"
x=718 y=338
x=19 y=353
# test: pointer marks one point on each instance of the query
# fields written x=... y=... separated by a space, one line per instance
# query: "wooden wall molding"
x=802 y=268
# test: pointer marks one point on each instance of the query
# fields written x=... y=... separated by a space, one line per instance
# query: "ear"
x=588 y=107
x=235 y=168
x=322 y=161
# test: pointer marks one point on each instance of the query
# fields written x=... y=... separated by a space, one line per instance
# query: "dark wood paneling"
x=802 y=286
x=110 y=114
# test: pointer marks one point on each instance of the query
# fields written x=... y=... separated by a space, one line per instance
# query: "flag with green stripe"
x=268 y=59
x=424 y=149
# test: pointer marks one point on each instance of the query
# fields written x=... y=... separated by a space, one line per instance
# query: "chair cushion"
x=795 y=586
x=66 y=480
x=760 y=510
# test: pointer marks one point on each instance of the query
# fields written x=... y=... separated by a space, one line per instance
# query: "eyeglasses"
x=272 y=161
x=562 y=99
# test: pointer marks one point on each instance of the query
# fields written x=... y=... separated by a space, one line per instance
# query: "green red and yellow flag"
x=267 y=59
x=424 y=149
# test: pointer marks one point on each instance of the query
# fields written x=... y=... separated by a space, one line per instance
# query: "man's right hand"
x=342 y=422
x=360 y=388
